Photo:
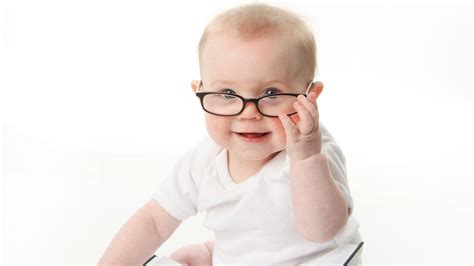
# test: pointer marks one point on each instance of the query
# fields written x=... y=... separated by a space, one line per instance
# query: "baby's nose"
x=250 y=111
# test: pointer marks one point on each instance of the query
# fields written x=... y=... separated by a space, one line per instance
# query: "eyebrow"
x=222 y=83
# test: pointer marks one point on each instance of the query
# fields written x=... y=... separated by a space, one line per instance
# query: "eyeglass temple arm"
x=310 y=84
x=199 y=85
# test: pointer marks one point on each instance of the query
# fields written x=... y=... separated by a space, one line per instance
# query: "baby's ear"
x=194 y=85
x=317 y=88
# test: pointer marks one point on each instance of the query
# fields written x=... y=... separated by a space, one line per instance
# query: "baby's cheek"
x=218 y=129
x=295 y=118
x=278 y=130
x=276 y=123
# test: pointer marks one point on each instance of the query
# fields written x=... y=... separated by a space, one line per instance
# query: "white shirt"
x=252 y=220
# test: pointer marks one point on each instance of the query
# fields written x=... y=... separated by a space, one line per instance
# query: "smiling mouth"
x=253 y=135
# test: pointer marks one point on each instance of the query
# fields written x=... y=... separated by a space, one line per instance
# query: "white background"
x=96 y=107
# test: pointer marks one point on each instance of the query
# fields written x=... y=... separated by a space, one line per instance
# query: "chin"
x=256 y=155
x=250 y=153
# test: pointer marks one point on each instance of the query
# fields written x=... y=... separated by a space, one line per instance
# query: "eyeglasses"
x=230 y=104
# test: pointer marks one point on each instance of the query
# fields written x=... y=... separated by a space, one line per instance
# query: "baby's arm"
x=143 y=233
x=319 y=206
x=195 y=254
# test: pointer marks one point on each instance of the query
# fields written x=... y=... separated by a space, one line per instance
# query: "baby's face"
x=249 y=68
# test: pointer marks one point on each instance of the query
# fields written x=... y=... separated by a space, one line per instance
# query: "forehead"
x=231 y=58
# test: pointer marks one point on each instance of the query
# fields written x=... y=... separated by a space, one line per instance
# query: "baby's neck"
x=241 y=169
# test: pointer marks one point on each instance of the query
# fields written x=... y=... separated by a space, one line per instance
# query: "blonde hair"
x=260 y=20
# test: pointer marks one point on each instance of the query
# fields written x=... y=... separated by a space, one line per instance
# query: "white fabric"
x=252 y=220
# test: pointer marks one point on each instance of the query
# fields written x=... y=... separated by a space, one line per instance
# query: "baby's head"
x=259 y=21
x=253 y=51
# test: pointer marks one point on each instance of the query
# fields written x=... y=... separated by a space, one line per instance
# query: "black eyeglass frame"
x=201 y=94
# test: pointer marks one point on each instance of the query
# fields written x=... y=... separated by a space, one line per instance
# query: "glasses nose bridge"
x=251 y=100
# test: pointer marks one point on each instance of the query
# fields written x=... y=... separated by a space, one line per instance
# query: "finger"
x=308 y=104
x=316 y=118
x=306 y=123
x=291 y=129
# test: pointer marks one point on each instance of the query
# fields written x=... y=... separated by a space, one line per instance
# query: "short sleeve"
x=337 y=165
x=178 y=193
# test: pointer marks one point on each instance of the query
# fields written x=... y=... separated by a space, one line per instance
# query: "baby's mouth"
x=253 y=135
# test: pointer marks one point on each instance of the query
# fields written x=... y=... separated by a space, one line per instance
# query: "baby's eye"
x=270 y=91
x=227 y=90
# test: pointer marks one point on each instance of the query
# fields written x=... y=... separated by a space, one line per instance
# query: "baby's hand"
x=193 y=255
x=303 y=137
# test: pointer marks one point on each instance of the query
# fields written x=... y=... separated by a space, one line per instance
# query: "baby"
x=270 y=177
